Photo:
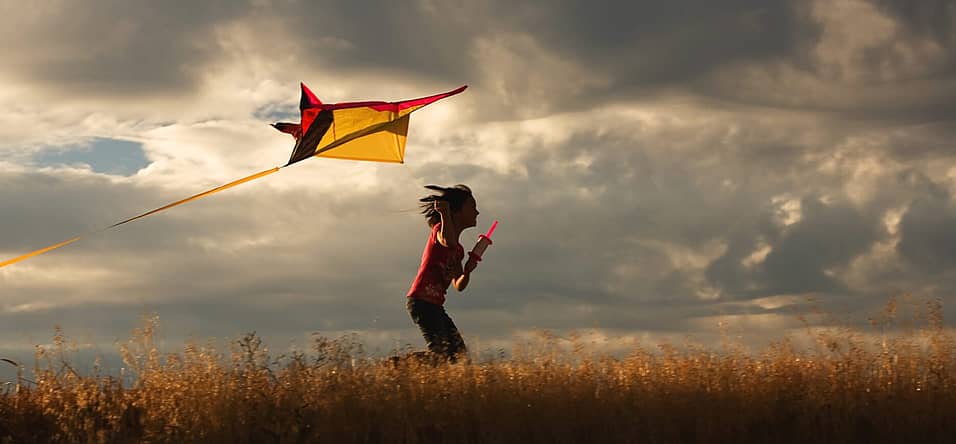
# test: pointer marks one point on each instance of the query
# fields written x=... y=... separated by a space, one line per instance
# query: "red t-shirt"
x=439 y=265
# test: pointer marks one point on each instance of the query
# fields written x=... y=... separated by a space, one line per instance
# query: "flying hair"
x=455 y=196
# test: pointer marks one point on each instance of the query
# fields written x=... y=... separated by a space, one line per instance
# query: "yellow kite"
x=373 y=131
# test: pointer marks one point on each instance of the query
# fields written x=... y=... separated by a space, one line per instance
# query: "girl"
x=448 y=212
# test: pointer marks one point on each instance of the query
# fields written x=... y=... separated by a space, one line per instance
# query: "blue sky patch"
x=277 y=112
x=108 y=156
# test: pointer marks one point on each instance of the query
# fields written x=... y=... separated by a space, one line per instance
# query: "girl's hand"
x=441 y=206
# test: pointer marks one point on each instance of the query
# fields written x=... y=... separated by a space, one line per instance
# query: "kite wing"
x=373 y=131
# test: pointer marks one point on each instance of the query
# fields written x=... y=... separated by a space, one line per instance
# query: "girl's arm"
x=461 y=282
x=448 y=235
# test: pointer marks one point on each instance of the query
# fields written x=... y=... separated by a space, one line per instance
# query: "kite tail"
x=38 y=252
x=165 y=207
x=200 y=195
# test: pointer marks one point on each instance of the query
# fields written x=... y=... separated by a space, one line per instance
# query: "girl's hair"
x=455 y=196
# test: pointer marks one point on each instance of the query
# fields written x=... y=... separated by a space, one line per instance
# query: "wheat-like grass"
x=844 y=388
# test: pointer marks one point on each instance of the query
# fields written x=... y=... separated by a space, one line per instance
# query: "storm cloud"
x=656 y=168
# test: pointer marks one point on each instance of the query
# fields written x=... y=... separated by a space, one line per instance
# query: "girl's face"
x=468 y=215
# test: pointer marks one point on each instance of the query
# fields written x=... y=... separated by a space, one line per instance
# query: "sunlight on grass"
x=842 y=387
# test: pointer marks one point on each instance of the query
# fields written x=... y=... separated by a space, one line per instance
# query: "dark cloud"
x=526 y=60
x=648 y=45
x=417 y=39
x=827 y=236
x=928 y=239
x=670 y=143
x=931 y=17
x=115 y=48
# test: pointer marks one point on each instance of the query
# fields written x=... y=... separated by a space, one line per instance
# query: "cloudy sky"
x=659 y=168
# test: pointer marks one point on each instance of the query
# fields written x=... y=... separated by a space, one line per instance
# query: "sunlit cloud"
x=712 y=166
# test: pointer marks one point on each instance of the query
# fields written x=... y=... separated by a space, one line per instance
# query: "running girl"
x=448 y=213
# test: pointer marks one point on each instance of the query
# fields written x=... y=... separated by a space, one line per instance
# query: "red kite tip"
x=309 y=100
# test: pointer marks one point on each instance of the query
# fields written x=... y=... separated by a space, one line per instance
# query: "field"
x=842 y=387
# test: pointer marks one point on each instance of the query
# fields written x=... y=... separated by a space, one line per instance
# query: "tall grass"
x=841 y=388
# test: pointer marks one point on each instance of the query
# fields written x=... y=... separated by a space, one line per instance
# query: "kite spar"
x=371 y=131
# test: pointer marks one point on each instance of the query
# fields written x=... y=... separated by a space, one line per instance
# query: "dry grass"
x=843 y=388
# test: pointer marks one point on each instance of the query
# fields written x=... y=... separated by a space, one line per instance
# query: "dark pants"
x=440 y=333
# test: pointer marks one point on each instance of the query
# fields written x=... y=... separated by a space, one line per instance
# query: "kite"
x=370 y=131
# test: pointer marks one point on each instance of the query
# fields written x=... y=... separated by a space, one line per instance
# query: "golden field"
x=843 y=387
